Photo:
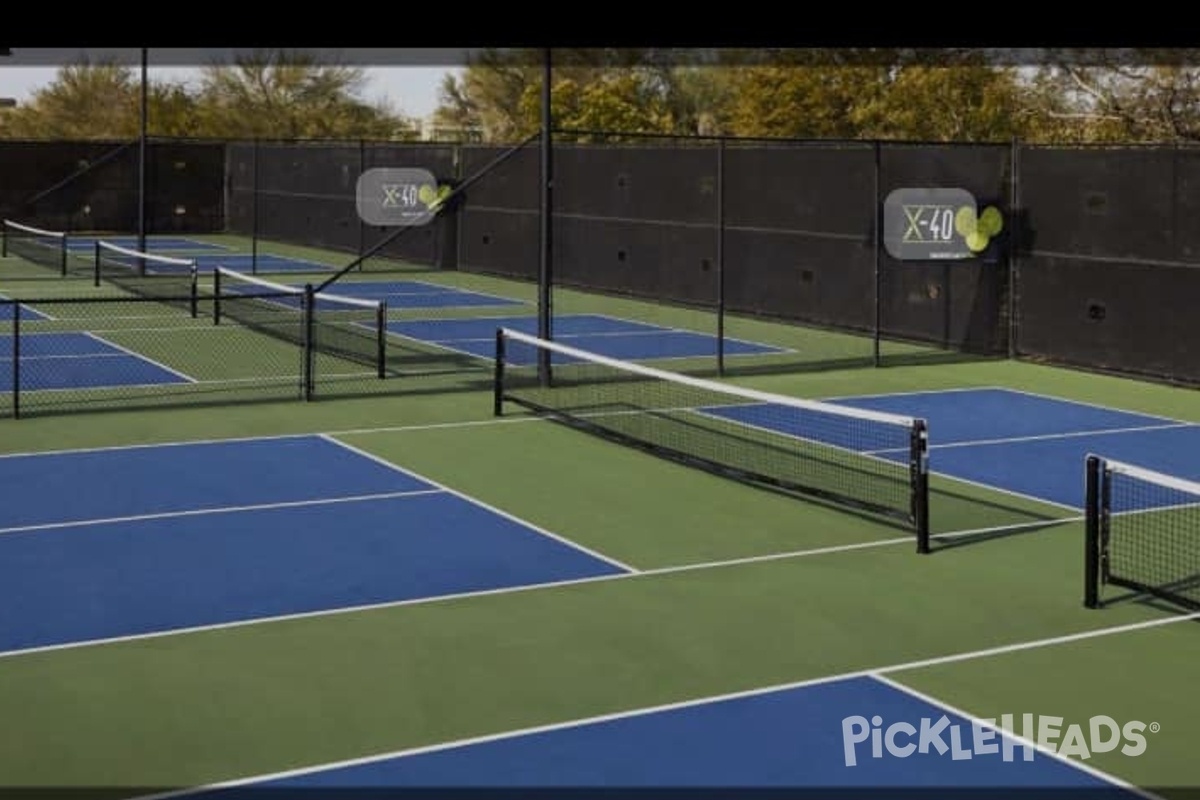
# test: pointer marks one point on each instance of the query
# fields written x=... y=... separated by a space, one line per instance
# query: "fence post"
x=720 y=191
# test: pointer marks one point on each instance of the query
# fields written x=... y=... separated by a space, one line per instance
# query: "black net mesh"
x=870 y=461
x=1150 y=529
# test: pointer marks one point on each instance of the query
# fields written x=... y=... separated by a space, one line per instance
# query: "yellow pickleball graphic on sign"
x=937 y=223
x=977 y=231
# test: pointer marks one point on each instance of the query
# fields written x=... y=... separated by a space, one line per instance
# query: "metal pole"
x=1014 y=248
x=254 y=209
x=141 y=225
x=545 y=277
x=877 y=235
x=720 y=256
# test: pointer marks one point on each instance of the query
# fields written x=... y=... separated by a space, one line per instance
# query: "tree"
x=266 y=94
x=621 y=90
x=876 y=94
x=280 y=94
x=1115 y=96
x=86 y=101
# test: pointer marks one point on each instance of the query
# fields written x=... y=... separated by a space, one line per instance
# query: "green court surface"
x=731 y=588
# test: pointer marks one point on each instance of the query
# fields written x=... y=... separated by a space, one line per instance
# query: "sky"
x=411 y=89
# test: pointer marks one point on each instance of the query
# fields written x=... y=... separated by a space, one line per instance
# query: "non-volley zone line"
x=76 y=360
x=244 y=531
x=1017 y=443
x=597 y=333
x=87 y=244
x=9 y=309
x=811 y=734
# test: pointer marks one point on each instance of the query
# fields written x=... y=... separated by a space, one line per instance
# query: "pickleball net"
x=172 y=281
x=36 y=245
x=1143 y=533
x=350 y=328
x=854 y=458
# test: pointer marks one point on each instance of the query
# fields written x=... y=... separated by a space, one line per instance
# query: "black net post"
x=498 y=377
x=720 y=222
x=308 y=349
x=919 y=459
x=194 y=293
x=1091 y=528
x=381 y=338
x=96 y=264
x=16 y=360
x=216 y=296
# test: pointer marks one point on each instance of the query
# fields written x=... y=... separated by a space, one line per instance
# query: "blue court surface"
x=238 y=262
x=6 y=311
x=397 y=294
x=55 y=361
x=153 y=243
x=1020 y=443
x=157 y=539
x=232 y=532
x=418 y=294
x=596 y=333
x=808 y=736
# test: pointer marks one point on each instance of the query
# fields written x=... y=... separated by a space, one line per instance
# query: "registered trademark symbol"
x=1155 y=727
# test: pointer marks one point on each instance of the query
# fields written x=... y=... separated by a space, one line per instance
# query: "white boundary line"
x=520 y=589
x=1041 y=437
x=646 y=711
x=1070 y=401
x=140 y=357
x=40 y=316
x=1081 y=766
x=200 y=512
x=479 y=503
x=647 y=328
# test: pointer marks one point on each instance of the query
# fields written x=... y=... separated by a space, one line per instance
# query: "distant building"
x=432 y=131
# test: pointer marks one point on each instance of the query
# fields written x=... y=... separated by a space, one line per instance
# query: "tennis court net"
x=1143 y=533
x=35 y=245
x=347 y=327
x=173 y=281
x=854 y=458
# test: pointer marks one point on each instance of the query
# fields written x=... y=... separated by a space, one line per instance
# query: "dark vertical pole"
x=96 y=263
x=216 y=296
x=16 y=361
x=307 y=358
x=877 y=242
x=194 y=292
x=919 y=457
x=545 y=274
x=1014 y=247
x=362 y=225
x=498 y=376
x=381 y=338
x=1091 y=529
x=141 y=224
x=720 y=191
x=254 y=209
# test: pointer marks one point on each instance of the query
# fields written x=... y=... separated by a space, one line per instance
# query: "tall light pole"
x=141 y=223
